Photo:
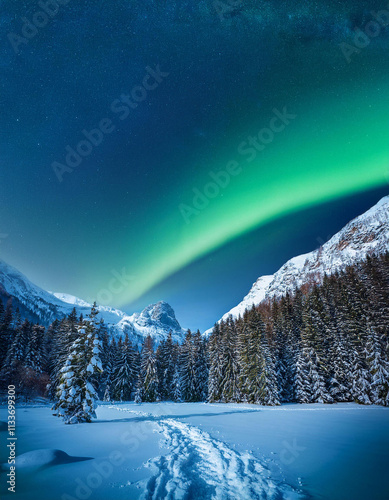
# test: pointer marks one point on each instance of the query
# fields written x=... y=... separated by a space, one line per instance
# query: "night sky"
x=271 y=99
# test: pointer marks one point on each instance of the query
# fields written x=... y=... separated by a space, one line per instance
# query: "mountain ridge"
x=365 y=234
x=42 y=306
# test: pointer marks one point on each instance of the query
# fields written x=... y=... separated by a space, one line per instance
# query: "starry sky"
x=178 y=150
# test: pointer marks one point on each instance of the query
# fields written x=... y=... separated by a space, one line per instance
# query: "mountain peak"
x=161 y=313
x=362 y=236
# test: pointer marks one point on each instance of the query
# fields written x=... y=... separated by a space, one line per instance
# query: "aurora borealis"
x=121 y=208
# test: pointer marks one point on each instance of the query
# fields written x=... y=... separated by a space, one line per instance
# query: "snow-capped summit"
x=41 y=306
x=160 y=313
x=364 y=235
x=155 y=320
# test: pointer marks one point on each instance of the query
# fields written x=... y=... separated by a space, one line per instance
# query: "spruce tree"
x=187 y=361
x=229 y=383
x=167 y=358
x=13 y=369
x=303 y=390
x=76 y=393
x=340 y=367
x=269 y=391
x=148 y=382
x=177 y=393
x=124 y=373
x=256 y=370
x=215 y=364
x=201 y=366
x=243 y=359
x=36 y=352
x=378 y=368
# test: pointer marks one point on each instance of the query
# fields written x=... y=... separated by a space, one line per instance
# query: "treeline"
x=327 y=343
x=76 y=360
x=324 y=343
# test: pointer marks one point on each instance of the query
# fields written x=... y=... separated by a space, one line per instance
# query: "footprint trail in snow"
x=200 y=467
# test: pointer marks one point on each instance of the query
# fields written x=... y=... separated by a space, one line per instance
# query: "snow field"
x=204 y=451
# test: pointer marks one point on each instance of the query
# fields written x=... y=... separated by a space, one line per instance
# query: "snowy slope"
x=37 y=304
x=71 y=299
x=364 y=235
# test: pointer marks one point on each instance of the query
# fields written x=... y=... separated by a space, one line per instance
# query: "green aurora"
x=327 y=152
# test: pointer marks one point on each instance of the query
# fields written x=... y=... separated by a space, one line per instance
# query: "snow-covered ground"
x=203 y=451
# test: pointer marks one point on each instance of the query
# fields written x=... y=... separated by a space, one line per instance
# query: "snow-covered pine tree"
x=319 y=390
x=256 y=362
x=269 y=389
x=13 y=368
x=35 y=352
x=76 y=394
x=167 y=359
x=107 y=366
x=7 y=336
x=311 y=337
x=61 y=336
x=7 y=331
x=361 y=379
x=177 y=393
x=353 y=324
x=279 y=321
x=71 y=332
x=303 y=392
x=148 y=382
x=257 y=380
x=187 y=361
x=292 y=326
x=21 y=341
x=243 y=360
x=124 y=373
x=52 y=357
x=201 y=367
x=255 y=371
x=378 y=368
x=373 y=275
x=229 y=383
x=215 y=364
x=340 y=367
x=306 y=370
x=337 y=361
x=289 y=364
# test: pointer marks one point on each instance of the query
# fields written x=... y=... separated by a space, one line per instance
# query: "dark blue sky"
x=222 y=77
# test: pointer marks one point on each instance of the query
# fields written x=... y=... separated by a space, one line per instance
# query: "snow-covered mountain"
x=41 y=306
x=364 y=235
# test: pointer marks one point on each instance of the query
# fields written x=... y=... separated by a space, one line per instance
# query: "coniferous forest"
x=324 y=343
